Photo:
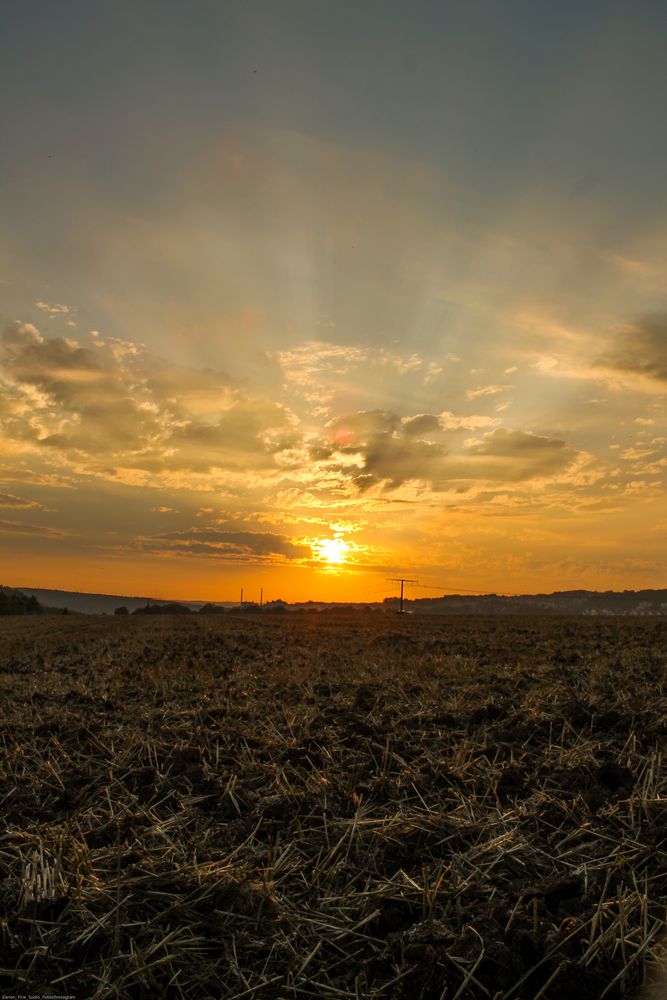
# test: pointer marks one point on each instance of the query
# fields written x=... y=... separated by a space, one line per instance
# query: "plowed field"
x=328 y=805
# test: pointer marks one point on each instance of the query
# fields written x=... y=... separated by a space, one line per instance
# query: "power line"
x=402 y=580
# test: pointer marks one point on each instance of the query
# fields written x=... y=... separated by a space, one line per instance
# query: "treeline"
x=571 y=602
x=14 y=602
x=207 y=609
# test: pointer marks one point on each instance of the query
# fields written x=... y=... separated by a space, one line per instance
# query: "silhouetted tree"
x=15 y=602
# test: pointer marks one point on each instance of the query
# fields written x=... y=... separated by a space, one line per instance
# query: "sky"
x=303 y=296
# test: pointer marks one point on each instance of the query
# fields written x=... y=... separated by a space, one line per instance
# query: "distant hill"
x=570 y=602
x=94 y=604
x=15 y=602
x=566 y=602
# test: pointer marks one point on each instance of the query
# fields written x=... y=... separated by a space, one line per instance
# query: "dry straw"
x=323 y=806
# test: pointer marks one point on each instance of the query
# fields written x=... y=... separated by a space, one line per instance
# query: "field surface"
x=320 y=805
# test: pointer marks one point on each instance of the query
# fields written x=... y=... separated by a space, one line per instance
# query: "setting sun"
x=331 y=550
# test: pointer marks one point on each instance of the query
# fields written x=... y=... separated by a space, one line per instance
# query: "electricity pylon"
x=402 y=580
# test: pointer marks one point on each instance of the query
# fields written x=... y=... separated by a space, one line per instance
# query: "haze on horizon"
x=299 y=296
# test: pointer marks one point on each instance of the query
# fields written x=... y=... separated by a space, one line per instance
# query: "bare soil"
x=330 y=805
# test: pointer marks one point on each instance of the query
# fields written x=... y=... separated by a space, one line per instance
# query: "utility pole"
x=241 y=605
x=261 y=596
x=402 y=580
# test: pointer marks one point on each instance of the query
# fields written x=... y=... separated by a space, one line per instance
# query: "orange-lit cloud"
x=311 y=328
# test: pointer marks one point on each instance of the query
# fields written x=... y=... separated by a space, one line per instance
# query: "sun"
x=333 y=551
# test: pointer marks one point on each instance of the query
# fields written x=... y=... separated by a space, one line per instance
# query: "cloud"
x=251 y=428
x=253 y=546
x=9 y=501
x=635 y=454
x=396 y=461
x=428 y=423
x=53 y=310
x=17 y=335
x=320 y=371
x=29 y=475
x=513 y=455
x=633 y=357
x=450 y=422
x=515 y=444
x=421 y=423
x=39 y=530
x=101 y=407
x=486 y=390
x=112 y=404
x=357 y=429
x=389 y=452
x=640 y=354
x=381 y=447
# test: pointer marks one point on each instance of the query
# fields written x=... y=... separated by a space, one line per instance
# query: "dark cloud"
x=515 y=444
x=398 y=461
x=513 y=456
x=391 y=453
x=226 y=544
x=357 y=429
x=641 y=350
x=388 y=454
x=422 y=423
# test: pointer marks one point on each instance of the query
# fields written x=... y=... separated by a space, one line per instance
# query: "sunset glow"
x=332 y=550
x=305 y=297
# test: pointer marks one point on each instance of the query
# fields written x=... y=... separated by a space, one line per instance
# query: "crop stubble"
x=332 y=805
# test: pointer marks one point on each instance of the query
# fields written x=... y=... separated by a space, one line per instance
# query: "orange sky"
x=265 y=323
